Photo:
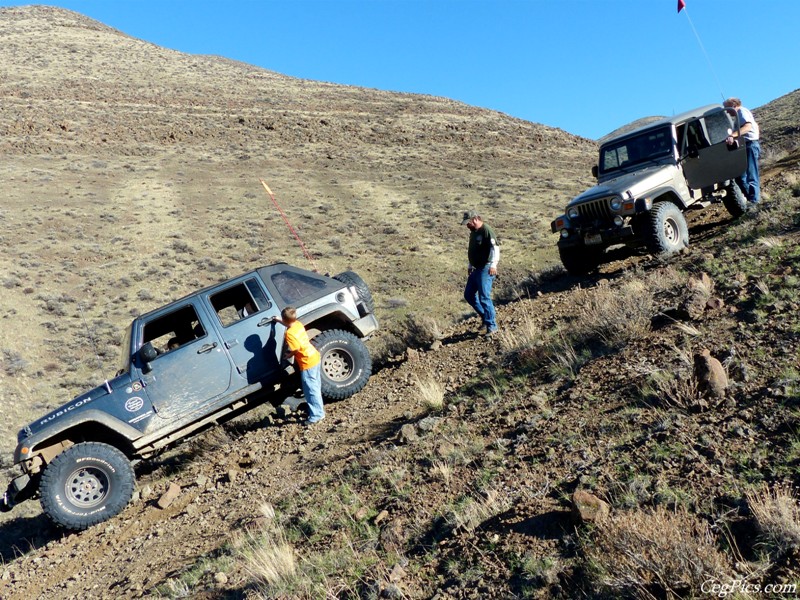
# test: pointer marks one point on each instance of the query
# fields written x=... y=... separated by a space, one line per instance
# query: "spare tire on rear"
x=351 y=279
x=345 y=363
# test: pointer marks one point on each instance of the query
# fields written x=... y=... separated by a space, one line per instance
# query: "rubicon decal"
x=64 y=411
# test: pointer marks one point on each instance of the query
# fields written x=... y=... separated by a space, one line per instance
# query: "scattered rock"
x=220 y=578
x=397 y=573
x=408 y=433
x=169 y=496
x=381 y=516
x=588 y=508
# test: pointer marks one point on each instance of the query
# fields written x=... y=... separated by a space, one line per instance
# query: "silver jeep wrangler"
x=646 y=180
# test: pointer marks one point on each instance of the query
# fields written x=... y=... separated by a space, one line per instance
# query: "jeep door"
x=707 y=159
x=243 y=315
x=191 y=367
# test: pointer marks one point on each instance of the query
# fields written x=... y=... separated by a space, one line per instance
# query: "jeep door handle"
x=207 y=348
x=264 y=322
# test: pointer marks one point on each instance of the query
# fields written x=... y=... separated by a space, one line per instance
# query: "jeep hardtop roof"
x=257 y=271
x=674 y=120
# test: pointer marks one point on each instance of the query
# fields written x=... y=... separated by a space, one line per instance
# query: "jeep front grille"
x=596 y=209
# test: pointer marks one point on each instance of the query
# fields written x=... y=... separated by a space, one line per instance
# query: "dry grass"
x=430 y=392
x=777 y=512
x=521 y=338
x=616 y=315
x=655 y=554
x=442 y=470
x=473 y=511
x=268 y=557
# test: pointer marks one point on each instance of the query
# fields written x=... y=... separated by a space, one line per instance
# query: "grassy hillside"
x=131 y=177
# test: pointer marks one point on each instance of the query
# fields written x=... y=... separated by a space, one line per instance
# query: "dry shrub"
x=657 y=553
x=420 y=331
x=520 y=338
x=616 y=315
x=674 y=389
x=777 y=513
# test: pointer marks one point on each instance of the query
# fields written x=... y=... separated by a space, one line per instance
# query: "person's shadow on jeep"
x=265 y=359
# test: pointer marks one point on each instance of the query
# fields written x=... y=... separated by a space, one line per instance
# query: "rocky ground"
x=474 y=499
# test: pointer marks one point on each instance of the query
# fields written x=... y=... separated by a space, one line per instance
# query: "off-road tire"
x=86 y=484
x=666 y=231
x=580 y=260
x=351 y=279
x=734 y=200
x=345 y=365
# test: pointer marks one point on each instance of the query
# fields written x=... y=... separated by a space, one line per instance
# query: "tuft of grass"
x=430 y=392
x=471 y=511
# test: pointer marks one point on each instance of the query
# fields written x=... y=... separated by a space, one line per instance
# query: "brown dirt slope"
x=131 y=177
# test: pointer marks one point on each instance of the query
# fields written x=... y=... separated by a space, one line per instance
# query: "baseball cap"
x=469 y=214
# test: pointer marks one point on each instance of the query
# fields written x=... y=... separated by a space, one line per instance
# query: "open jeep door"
x=707 y=159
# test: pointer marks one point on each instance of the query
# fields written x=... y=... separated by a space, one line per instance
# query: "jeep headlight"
x=573 y=213
x=616 y=203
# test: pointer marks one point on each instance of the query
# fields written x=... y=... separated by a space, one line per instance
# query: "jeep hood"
x=77 y=404
x=638 y=183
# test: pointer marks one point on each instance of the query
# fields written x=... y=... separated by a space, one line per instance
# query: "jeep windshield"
x=651 y=145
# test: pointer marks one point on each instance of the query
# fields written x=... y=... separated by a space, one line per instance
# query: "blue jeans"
x=478 y=294
x=312 y=386
x=749 y=181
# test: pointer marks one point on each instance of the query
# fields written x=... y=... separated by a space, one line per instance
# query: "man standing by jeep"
x=748 y=130
x=483 y=254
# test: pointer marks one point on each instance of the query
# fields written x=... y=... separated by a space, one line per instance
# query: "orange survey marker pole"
x=306 y=253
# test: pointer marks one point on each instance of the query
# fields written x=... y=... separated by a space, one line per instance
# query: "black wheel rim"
x=87 y=487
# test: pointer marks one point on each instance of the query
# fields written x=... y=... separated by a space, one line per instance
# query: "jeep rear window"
x=649 y=145
x=293 y=286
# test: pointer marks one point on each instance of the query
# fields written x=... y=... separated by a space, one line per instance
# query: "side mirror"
x=147 y=354
x=594 y=171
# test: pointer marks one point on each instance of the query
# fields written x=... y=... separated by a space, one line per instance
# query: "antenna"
x=94 y=345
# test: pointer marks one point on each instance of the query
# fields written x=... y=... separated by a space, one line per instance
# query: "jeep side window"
x=239 y=302
x=173 y=330
x=696 y=136
x=717 y=125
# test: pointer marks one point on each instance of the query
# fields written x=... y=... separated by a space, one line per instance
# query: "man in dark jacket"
x=483 y=254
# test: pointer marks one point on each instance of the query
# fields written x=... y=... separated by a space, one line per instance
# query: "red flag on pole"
x=681 y=5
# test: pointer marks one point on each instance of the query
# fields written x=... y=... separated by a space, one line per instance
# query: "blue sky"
x=586 y=66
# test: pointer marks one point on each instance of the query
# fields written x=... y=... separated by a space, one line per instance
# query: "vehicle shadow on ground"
x=24 y=534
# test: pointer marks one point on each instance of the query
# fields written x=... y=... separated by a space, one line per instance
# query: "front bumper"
x=598 y=238
x=21 y=488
